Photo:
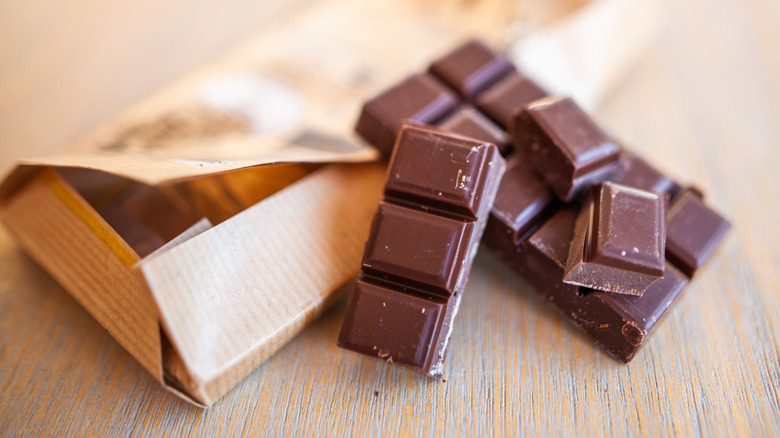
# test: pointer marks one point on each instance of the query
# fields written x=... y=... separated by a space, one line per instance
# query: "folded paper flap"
x=225 y=293
x=47 y=218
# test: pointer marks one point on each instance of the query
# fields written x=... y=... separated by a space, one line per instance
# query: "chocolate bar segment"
x=398 y=326
x=471 y=68
x=414 y=248
x=514 y=91
x=565 y=145
x=467 y=121
x=640 y=174
x=421 y=98
x=523 y=201
x=618 y=243
x=451 y=177
x=423 y=240
x=694 y=231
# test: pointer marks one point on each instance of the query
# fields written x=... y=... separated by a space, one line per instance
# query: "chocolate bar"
x=423 y=239
x=616 y=322
x=618 y=243
x=565 y=146
x=421 y=98
x=693 y=232
x=471 y=68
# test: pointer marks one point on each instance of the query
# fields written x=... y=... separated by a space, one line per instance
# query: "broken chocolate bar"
x=618 y=323
x=471 y=68
x=565 y=145
x=421 y=98
x=693 y=232
x=423 y=239
x=618 y=243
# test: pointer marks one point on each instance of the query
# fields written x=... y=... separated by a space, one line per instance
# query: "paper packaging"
x=208 y=225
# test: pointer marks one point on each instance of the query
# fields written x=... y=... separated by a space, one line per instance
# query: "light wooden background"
x=704 y=104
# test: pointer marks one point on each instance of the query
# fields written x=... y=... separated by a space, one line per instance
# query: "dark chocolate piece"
x=471 y=68
x=640 y=174
x=565 y=145
x=471 y=123
x=693 y=232
x=421 y=98
x=423 y=239
x=618 y=323
x=522 y=202
x=514 y=91
x=618 y=243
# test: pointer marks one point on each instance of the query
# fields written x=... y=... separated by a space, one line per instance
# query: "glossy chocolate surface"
x=421 y=247
x=471 y=68
x=451 y=177
x=470 y=122
x=640 y=174
x=421 y=98
x=694 y=231
x=618 y=243
x=514 y=91
x=565 y=145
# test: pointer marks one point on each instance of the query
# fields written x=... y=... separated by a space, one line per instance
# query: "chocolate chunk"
x=421 y=98
x=565 y=145
x=694 y=231
x=471 y=123
x=618 y=243
x=422 y=242
x=618 y=323
x=522 y=202
x=640 y=174
x=471 y=68
x=514 y=91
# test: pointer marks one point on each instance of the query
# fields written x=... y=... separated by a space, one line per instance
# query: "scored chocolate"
x=471 y=68
x=619 y=238
x=423 y=240
x=467 y=121
x=565 y=145
x=618 y=323
x=694 y=231
x=421 y=98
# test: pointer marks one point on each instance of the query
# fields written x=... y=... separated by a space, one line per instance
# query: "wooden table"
x=704 y=105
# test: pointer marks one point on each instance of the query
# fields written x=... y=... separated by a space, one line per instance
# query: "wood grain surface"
x=704 y=105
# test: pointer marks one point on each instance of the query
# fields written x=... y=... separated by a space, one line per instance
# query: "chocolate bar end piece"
x=471 y=68
x=391 y=325
x=565 y=145
x=694 y=231
x=618 y=243
x=421 y=98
